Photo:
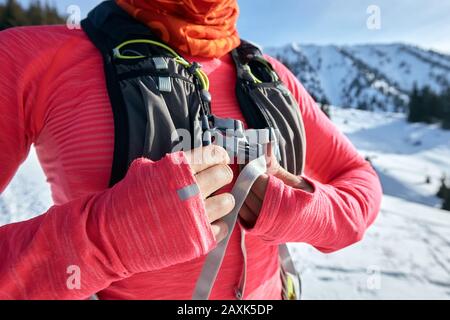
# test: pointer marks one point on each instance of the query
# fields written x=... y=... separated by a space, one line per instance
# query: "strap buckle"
x=243 y=145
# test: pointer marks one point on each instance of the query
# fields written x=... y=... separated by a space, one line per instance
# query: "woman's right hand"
x=212 y=172
x=164 y=212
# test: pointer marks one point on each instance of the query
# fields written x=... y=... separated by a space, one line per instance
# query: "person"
x=137 y=239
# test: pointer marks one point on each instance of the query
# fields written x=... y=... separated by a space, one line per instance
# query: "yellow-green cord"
x=202 y=76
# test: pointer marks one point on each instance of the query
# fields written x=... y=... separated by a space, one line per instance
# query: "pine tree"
x=362 y=105
x=13 y=15
x=443 y=188
x=446 y=204
x=52 y=16
x=35 y=13
x=437 y=108
x=446 y=110
x=326 y=109
x=415 y=111
x=444 y=193
x=429 y=107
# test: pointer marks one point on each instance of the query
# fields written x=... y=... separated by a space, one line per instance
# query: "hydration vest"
x=154 y=92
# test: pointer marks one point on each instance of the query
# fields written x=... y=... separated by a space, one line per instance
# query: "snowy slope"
x=27 y=195
x=368 y=77
x=406 y=254
x=404 y=154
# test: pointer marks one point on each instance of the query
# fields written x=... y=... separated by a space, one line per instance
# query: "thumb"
x=288 y=178
x=275 y=169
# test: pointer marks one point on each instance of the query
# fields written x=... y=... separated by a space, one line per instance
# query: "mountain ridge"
x=366 y=76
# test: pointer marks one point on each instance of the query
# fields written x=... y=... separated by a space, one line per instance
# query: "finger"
x=214 y=178
x=247 y=216
x=219 y=206
x=203 y=158
x=288 y=178
x=305 y=186
x=254 y=203
x=220 y=230
x=260 y=186
x=272 y=163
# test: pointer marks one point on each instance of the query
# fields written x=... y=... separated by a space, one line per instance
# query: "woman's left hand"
x=252 y=207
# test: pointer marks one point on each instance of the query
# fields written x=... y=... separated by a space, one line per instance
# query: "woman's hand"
x=211 y=170
x=252 y=207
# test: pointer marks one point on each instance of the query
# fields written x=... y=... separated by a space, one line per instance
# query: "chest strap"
x=247 y=177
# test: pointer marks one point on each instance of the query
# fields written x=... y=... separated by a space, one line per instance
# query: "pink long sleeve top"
x=139 y=240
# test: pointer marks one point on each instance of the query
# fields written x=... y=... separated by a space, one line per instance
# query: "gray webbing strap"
x=286 y=259
x=240 y=291
x=241 y=189
x=289 y=268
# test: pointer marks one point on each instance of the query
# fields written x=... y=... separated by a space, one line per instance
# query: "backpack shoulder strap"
x=132 y=53
x=242 y=55
x=108 y=26
x=94 y=26
x=251 y=63
x=247 y=50
x=267 y=103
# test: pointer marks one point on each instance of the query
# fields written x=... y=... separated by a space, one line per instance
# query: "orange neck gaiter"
x=204 y=28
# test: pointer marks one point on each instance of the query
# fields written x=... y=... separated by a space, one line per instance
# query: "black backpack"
x=157 y=82
x=155 y=92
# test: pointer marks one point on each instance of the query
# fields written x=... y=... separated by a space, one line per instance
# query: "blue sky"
x=276 y=22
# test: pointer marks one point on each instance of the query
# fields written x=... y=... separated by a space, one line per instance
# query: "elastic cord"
x=199 y=73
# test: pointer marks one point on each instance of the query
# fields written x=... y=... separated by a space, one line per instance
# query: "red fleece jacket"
x=138 y=240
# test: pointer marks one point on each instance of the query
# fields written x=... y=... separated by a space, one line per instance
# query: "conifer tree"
x=12 y=14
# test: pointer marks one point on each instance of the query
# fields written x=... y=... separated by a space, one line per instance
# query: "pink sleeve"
x=130 y=228
x=347 y=191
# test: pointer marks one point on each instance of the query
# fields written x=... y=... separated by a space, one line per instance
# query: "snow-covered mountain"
x=368 y=77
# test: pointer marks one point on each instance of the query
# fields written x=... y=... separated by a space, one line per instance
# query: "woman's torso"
x=71 y=117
